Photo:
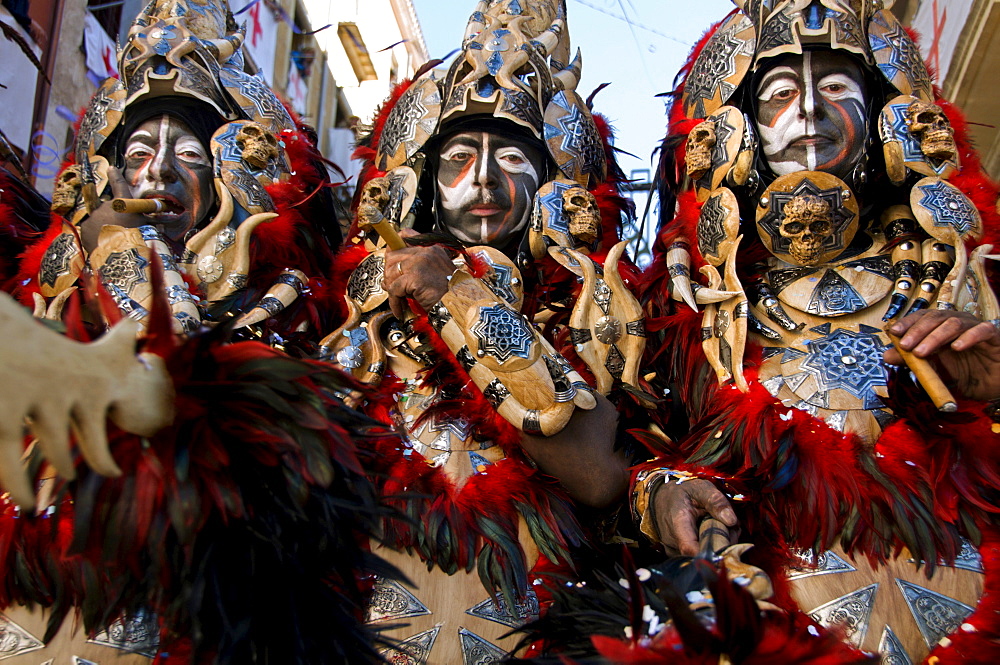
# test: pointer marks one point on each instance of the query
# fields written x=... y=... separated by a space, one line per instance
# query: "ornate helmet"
x=768 y=28
x=513 y=67
x=190 y=50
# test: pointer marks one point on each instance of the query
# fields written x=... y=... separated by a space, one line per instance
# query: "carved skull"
x=580 y=206
x=929 y=123
x=374 y=199
x=807 y=224
x=67 y=189
x=700 y=144
x=259 y=145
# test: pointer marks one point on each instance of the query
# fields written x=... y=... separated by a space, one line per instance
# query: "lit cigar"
x=928 y=378
x=138 y=206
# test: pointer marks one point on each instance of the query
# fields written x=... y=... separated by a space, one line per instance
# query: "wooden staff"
x=713 y=536
x=383 y=227
x=928 y=378
x=138 y=206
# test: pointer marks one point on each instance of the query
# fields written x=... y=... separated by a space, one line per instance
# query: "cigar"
x=138 y=206
x=928 y=377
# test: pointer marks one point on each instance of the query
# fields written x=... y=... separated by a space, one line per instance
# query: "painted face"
x=811 y=113
x=164 y=160
x=486 y=183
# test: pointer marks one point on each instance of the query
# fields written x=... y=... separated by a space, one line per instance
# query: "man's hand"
x=679 y=507
x=967 y=348
x=421 y=273
x=90 y=229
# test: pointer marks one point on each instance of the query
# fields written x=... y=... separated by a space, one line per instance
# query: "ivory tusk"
x=278 y=298
x=569 y=78
x=679 y=265
x=199 y=242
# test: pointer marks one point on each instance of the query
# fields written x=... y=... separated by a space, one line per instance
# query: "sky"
x=636 y=45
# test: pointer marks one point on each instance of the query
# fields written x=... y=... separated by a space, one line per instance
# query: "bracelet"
x=646 y=484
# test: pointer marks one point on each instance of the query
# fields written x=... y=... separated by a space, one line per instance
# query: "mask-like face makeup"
x=165 y=160
x=811 y=113
x=485 y=184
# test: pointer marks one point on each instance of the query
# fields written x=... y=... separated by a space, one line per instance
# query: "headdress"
x=513 y=67
x=191 y=49
x=768 y=28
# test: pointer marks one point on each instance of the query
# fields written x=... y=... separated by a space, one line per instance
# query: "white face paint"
x=485 y=185
x=165 y=161
x=811 y=113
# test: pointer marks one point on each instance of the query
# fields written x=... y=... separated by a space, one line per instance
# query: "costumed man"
x=478 y=330
x=223 y=516
x=830 y=201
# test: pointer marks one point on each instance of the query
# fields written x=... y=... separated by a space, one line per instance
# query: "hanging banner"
x=99 y=50
x=298 y=89
x=940 y=24
x=18 y=77
x=262 y=31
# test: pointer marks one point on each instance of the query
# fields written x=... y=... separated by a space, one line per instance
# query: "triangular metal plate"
x=414 y=650
x=820 y=398
x=821 y=330
x=827 y=563
x=838 y=421
x=834 y=296
x=883 y=417
x=892 y=649
x=479 y=651
x=771 y=351
x=773 y=385
x=790 y=355
x=16 y=639
x=803 y=405
x=796 y=380
x=392 y=601
x=140 y=634
x=873 y=402
x=936 y=615
x=852 y=611
x=498 y=612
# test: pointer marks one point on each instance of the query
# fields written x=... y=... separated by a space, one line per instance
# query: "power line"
x=632 y=24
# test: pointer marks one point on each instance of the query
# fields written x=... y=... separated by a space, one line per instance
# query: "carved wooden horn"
x=568 y=78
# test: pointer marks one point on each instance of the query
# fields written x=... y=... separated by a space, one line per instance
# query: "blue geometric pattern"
x=503 y=333
x=948 y=206
x=850 y=361
x=579 y=139
x=897 y=55
x=553 y=202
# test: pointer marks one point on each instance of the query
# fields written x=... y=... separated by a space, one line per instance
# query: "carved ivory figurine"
x=451 y=334
x=823 y=205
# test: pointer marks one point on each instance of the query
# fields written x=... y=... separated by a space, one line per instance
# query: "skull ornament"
x=700 y=144
x=580 y=206
x=67 y=190
x=259 y=145
x=929 y=123
x=374 y=199
x=807 y=223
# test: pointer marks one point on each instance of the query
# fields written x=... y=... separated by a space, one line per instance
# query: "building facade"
x=961 y=44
